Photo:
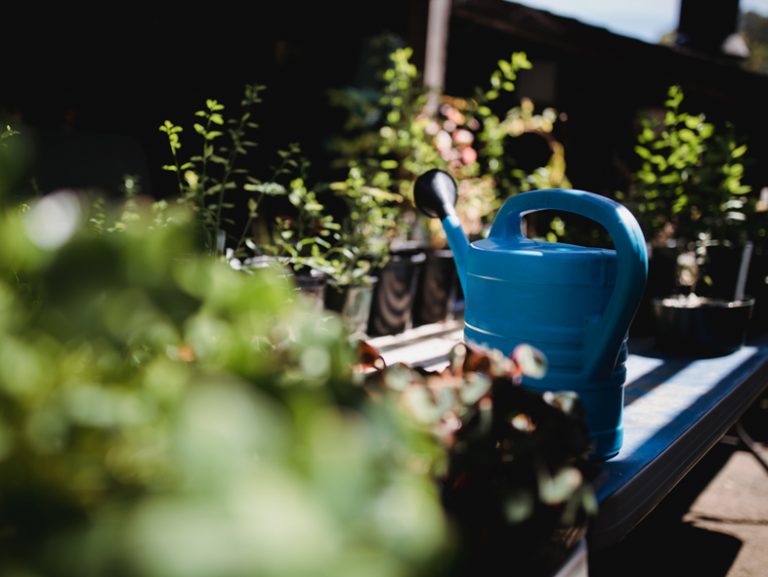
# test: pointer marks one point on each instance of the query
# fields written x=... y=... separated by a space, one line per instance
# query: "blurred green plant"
x=163 y=415
x=689 y=185
x=133 y=209
x=516 y=481
x=12 y=160
x=5 y=134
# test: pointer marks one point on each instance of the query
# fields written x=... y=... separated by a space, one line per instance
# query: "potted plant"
x=246 y=219
x=757 y=281
x=515 y=481
x=386 y=144
x=362 y=250
x=396 y=140
x=689 y=189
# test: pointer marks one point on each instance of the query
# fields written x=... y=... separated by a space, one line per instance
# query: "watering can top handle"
x=603 y=344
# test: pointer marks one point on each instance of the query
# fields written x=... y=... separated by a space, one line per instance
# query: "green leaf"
x=531 y=361
x=739 y=151
x=268 y=188
x=643 y=152
x=520 y=61
x=680 y=204
x=518 y=505
x=475 y=386
x=213 y=105
x=556 y=489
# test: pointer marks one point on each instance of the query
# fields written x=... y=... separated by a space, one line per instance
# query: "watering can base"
x=607 y=443
x=603 y=401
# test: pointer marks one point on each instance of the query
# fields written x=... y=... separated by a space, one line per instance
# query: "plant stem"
x=248 y=223
x=212 y=227
x=233 y=154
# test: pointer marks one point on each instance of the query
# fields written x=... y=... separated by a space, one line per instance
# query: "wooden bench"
x=675 y=410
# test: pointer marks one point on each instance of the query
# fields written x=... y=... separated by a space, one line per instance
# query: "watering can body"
x=573 y=303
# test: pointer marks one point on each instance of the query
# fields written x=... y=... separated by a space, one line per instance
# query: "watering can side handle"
x=605 y=340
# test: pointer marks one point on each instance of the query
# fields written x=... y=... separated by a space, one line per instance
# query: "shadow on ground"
x=665 y=544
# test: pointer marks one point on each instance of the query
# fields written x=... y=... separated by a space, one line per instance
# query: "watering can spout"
x=434 y=194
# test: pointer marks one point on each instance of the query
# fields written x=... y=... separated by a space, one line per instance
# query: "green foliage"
x=365 y=233
x=391 y=146
x=305 y=236
x=220 y=180
x=206 y=180
x=394 y=140
x=689 y=183
x=162 y=415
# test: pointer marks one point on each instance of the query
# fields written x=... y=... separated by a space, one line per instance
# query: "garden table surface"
x=675 y=410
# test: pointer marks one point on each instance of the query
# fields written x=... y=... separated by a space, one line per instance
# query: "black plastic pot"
x=662 y=281
x=757 y=286
x=437 y=288
x=353 y=303
x=720 y=268
x=393 y=295
x=311 y=283
x=701 y=327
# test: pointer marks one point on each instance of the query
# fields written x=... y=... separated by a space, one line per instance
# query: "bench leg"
x=750 y=444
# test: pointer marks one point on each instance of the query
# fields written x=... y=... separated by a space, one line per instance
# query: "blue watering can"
x=573 y=303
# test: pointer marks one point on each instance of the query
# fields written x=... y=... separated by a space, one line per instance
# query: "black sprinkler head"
x=434 y=193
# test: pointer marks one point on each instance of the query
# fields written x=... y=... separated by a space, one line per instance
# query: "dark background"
x=90 y=88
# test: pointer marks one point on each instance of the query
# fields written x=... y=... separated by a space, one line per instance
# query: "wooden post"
x=434 y=60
